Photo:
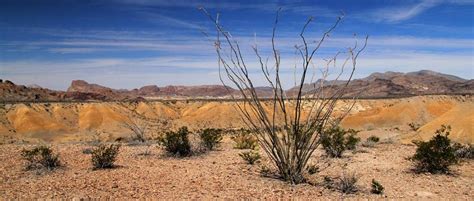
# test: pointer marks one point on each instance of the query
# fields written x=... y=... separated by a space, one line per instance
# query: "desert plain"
x=145 y=170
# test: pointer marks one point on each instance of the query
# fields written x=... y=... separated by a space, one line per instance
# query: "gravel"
x=223 y=174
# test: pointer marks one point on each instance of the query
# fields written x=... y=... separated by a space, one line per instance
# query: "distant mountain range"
x=393 y=84
x=388 y=84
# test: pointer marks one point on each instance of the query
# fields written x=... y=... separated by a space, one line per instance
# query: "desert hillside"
x=377 y=85
x=87 y=121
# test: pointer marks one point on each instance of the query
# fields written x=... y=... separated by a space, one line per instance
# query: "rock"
x=424 y=194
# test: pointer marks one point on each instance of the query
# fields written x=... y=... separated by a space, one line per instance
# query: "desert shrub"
x=436 y=155
x=87 y=151
x=414 y=126
x=312 y=169
x=40 y=157
x=347 y=184
x=177 y=143
x=373 y=138
x=328 y=182
x=245 y=140
x=352 y=140
x=210 y=137
x=104 y=156
x=336 y=140
x=377 y=188
x=371 y=141
x=333 y=141
x=464 y=151
x=265 y=171
x=250 y=157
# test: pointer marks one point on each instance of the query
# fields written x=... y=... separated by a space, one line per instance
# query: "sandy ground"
x=223 y=174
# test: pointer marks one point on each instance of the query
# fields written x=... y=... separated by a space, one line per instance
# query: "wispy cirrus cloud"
x=297 y=7
x=108 y=41
x=401 y=13
x=170 y=21
x=132 y=72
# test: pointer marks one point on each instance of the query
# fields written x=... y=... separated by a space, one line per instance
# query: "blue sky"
x=131 y=43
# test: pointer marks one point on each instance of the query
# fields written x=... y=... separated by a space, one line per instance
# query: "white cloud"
x=128 y=73
x=402 y=13
x=296 y=7
x=195 y=45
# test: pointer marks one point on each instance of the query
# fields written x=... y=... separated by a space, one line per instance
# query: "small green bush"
x=40 y=157
x=177 y=143
x=210 y=137
x=436 y=155
x=351 y=139
x=245 y=140
x=377 y=188
x=104 y=156
x=250 y=157
x=336 y=140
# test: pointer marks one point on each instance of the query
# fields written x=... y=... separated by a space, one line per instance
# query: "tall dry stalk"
x=288 y=128
x=138 y=127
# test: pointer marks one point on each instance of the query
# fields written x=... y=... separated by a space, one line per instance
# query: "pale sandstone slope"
x=461 y=119
x=102 y=121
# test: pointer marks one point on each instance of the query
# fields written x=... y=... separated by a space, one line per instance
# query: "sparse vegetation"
x=373 y=138
x=177 y=143
x=251 y=157
x=245 y=140
x=464 y=151
x=347 y=184
x=291 y=147
x=87 y=151
x=377 y=188
x=328 y=182
x=137 y=127
x=435 y=155
x=104 y=156
x=352 y=140
x=265 y=171
x=40 y=157
x=312 y=169
x=371 y=141
x=336 y=140
x=210 y=137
